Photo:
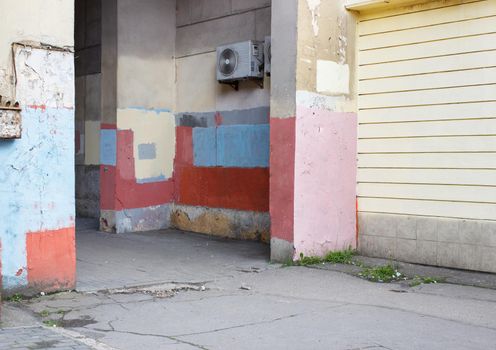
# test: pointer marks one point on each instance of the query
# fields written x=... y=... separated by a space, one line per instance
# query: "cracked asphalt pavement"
x=175 y=290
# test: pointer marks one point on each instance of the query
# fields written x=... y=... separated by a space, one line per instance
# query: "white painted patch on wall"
x=56 y=89
x=333 y=78
x=313 y=6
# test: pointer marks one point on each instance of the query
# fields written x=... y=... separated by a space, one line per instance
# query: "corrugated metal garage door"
x=427 y=110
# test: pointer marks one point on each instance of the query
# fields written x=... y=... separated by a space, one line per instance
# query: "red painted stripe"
x=108 y=126
x=233 y=188
x=184 y=146
x=51 y=258
x=282 y=165
x=107 y=187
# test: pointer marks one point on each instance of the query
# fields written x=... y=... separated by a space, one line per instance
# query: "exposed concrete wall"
x=37 y=174
x=88 y=52
x=222 y=154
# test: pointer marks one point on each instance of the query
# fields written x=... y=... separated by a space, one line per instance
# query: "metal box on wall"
x=10 y=120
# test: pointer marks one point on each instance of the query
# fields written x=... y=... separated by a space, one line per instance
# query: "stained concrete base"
x=134 y=220
x=209 y=293
x=227 y=223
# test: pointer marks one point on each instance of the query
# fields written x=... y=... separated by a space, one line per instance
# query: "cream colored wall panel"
x=483 y=194
x=427 y=15
x=438 y=128
x=428 y=49
x=429 y=176
x=432 y=33
x=428 y=65
x=429 y=81
x=429 y=97
x=428 y=144
x=428 y=160
x=154 y=128
x=420 y=113
x=479 y=211
x=196 y=86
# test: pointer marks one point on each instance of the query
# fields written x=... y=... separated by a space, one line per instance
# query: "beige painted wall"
x=326 y=53
x=32 y=20
x=201 y=27
x=145 y=46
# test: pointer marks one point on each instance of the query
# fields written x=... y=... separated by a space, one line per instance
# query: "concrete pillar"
x=138 y=129
x=313 y=129
x=282 y=127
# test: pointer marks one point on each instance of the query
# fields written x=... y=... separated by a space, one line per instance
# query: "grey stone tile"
x=470 y=231
x=488 y=233
x=447 y=230
x=406 y=250
x=427 y=229
x=407 y=227
x=488 y=259
x=427 y=252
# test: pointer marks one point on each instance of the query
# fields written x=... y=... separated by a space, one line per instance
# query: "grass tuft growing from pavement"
x=382 y=274
x=336 y=257
x=16 y=298
x=340 y=256
x=51 y=323
x=417 y=281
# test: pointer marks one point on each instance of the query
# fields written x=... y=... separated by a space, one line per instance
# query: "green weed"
x=51 y=323
x=44 y=313
x=16 y=298
x=340 y=257
x=382 y=274
x=416 y=281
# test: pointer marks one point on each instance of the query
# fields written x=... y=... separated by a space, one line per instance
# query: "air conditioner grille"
x=228 y=62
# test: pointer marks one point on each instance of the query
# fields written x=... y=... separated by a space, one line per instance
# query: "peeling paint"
x=313 y=6
x=38 y=177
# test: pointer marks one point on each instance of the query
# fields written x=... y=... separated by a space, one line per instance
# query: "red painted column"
x=282 y=165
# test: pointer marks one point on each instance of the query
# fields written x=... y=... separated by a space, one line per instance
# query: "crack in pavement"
x=257 y=323
x=147 y=335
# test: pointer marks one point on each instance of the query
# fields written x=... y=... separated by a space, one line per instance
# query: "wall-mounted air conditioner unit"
x=240 y=61
x=267 y=55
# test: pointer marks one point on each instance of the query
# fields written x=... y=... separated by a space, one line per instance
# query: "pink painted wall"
x=325 y=181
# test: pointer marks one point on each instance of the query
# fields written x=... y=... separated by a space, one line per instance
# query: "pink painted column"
x=325 y=181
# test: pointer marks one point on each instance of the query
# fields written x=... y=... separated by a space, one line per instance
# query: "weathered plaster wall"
x=37 y=173
x=222 y=155
x=88 y=52
x=326 y=129
x=137 y=136
x=313 y=137
x=38 y=25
